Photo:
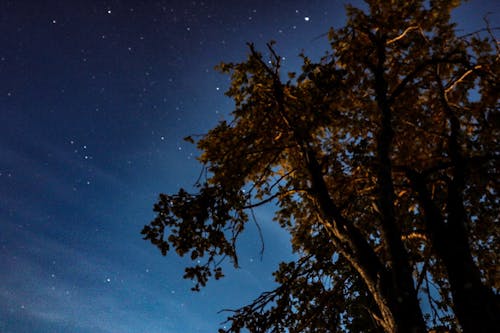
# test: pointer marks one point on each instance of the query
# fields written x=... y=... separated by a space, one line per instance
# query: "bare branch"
x=261 y=237
x=272 y=197
x=411 y=28
x=453 y=84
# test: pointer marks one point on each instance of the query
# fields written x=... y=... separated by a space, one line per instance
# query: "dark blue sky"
x=95 y=98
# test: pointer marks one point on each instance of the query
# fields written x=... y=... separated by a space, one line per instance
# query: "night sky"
x=95 y=98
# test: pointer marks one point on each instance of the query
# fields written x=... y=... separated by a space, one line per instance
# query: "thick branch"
x=405 y=305
x=342 y=231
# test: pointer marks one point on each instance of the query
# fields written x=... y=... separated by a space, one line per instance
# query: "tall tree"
x=382 y=161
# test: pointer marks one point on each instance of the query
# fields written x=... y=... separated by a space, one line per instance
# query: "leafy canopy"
x=370 y=156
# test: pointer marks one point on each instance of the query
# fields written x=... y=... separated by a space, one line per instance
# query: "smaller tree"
x=383 y=162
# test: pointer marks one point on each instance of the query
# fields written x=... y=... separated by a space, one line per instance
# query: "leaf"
x=188 y=139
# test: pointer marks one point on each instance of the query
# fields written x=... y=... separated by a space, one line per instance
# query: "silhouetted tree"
x=382 y=160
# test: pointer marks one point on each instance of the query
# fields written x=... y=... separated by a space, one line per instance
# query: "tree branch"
x=411 y=28
x=419 y=68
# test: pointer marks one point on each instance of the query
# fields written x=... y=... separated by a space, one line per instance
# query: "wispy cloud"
x=78 y=294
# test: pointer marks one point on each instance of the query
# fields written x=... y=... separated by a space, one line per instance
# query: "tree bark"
x=397 y=300
x=475 y=305
x=402 y=296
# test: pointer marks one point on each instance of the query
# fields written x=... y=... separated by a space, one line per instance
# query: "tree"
x=382 y=161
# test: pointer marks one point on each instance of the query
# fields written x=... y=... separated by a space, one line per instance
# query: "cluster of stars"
x=133 y=80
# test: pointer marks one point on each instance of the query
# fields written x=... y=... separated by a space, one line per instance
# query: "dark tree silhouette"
x=382 y=161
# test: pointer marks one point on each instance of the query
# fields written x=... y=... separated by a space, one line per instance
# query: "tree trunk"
x=476 y=306
x=401 y=293
x=392 y=288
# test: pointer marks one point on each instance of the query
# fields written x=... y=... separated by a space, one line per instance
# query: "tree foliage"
x=382 y=161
